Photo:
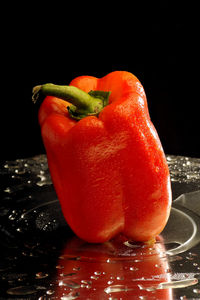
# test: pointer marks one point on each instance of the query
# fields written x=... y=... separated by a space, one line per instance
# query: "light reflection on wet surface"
x=42 y=259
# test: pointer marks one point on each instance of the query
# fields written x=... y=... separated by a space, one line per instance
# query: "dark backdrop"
x=55 y=43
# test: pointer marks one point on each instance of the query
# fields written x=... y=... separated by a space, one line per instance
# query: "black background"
x=56 y=42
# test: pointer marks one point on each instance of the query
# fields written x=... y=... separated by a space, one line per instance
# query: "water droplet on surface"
x=120 y=278
x=86 y=284
x=86 y=281
x=192 y=254
x=116 y=288
x=195 y=264
x=19 y=230
x=59 y=267
x=189 y=258
x=69 y=283
x=71 y=296
x=175 y=258
x=7 y=190
x=133 y=269
x=13 y=215
x=42 y=181
x=22 y=290
x=94 y=277
x=41 y=275
x=76 y=269
x=67 y=274
x=69 y=257
x=132 y=244
x=170 y=285
x=97 y=273
x=50 y=292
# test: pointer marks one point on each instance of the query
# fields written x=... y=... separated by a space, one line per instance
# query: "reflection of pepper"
x=108 y=168
x=113 y=271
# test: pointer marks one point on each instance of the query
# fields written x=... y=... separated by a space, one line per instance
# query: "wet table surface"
x=41 y=258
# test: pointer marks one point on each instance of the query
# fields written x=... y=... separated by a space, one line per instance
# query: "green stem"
x=84 y=104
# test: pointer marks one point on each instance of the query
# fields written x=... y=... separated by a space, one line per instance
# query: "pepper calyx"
x=78 y=113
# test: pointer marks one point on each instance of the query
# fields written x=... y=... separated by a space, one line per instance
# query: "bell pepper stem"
x=84 y=104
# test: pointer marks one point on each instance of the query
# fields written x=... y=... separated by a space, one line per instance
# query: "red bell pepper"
x=105 y=157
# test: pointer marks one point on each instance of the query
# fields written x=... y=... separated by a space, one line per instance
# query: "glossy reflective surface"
x=42 y=259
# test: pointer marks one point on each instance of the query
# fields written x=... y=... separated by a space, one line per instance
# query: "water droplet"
x=41 y=275
x=192 y=254
x=69 y=283
x=120 y=278
x=189 y=258
x=69 y=257
x=42 y=179
x=19 y=230
x=174 y=258
x=132 y=244
x=59 y=267
x=171 y=158
x=97 y=273
x=67 y=274
x=86 y=281
x=94 y=277
x=50 y=292
x=116 y=288
x=71 y=296
x=22 y=290
x=13 y=215
x=76 y=269
x=169 y=285
x=7 y=190
x=133 y=269
x=196 y=291
x=86 y=284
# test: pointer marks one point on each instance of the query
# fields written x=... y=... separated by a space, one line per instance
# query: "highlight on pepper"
x=105 y=157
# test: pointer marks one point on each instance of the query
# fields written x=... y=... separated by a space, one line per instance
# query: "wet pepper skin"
x=110 y=172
